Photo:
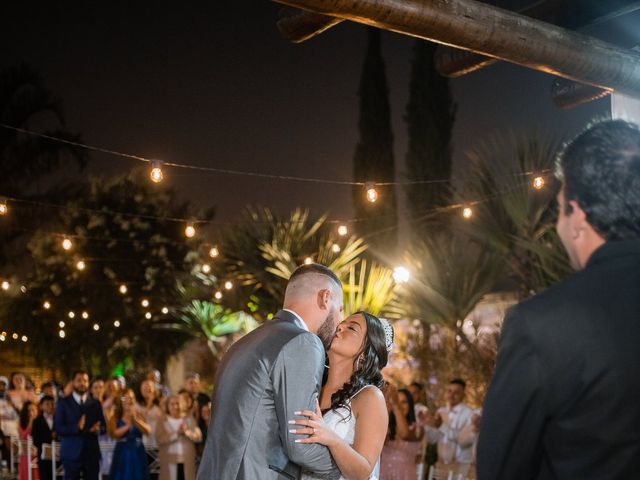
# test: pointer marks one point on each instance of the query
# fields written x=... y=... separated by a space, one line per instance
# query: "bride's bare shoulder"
x=368 y=397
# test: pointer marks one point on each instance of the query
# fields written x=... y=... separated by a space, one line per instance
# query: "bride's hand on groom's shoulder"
x=314 y=427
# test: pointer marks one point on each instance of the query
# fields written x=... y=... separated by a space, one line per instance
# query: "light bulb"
x=61 y=324
x=538 y=183
x=190 y=230
x=308 y=261
x=24 y=338
x=228 y=285
x=467 y=212
x=335 y=248
x=96 y=327
x=81 y=265
x=2 y=338
x=206 y=268
x=147 y=315
x=372 y=193
x=218 y=295
x=4 y=208
x=156 y=171
x=401 y=275
x=116 y=323
x=67 y=244
x=343 y=230
x=213 y=253
x=144 y=303
x=85 y=315
x=71 y=314
x=14 y=336
x=5 y=285
x=123 y=289
x=61 y=334
x=165 y=310
x=46 y=305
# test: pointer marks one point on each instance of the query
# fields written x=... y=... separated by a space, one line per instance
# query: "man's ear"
x=579 y=223
x=324 y=296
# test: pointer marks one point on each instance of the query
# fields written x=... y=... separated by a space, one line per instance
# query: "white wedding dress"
x=344 y=424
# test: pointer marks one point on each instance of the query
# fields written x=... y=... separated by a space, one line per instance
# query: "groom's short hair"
x=311 y=270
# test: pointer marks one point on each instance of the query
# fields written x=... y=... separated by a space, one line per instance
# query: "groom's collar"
x=298 y=317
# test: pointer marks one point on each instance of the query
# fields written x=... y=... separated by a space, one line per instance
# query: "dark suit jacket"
x=564 y=402
x=262 y=380
x=75 y=444
x=41 y=433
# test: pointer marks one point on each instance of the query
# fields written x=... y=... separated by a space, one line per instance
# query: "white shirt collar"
x=302 y=322
x=80 y=398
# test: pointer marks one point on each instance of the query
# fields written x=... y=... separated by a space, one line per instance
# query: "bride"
x=355 y=421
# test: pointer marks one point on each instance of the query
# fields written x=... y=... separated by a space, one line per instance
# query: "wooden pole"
x=494 y=32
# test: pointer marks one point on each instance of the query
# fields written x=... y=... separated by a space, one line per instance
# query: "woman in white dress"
x=354 y=425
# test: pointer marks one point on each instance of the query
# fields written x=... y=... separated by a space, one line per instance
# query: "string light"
x=372 y=193
x=123 y=289
x=165 y=310
x=67 y=244
x=14 y=336
x=538 y=183
x=46 y=305
x=5 y=285
x=148 y=315
x=467 y=212
x=72 y=314
x=343 y=230
x=213 y=253
x=23 y=289
x=96 y=327
x=218 y=295
x=24 y=338
x=85 y=315
x=81 y=265
x=335 y=248
x=308 y=261
x=61 y=334
x=156 y=173
x=401 y=274
x=228 y=285
x=61 y=324
x=206 y=268
x=116 y=323
x=4 y=208
x=190 y=230
x=2 y=338
x=144 y=303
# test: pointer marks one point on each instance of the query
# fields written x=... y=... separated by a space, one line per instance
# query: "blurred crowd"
x=105 y=427
x=422 y=439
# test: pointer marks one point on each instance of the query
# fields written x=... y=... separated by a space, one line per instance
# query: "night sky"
x=214 y=84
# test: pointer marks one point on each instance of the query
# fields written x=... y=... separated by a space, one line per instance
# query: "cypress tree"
x=373 y=159
x=430 y=115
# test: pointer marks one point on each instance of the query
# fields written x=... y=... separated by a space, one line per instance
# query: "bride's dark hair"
x=367 y=364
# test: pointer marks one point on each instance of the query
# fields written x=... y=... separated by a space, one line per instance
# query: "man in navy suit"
x=78 y=421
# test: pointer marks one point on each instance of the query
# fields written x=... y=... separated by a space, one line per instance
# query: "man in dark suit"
x=265 y=378
x=563 y=403
x=77 y=421
x=42 y=432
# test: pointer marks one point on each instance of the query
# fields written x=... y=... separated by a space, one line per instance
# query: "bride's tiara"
x=388 y=333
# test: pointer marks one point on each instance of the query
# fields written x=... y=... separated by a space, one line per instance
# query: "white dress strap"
x=366 y=386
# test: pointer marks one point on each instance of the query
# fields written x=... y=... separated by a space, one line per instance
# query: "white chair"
x=21 y=448
x=444 y=474
x=57 y=469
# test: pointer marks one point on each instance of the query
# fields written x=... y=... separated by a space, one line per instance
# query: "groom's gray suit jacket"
x=263 y=378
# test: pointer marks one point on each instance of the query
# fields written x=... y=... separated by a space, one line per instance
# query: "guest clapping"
x=177 y=435
x=148 y=407
x=29 y=453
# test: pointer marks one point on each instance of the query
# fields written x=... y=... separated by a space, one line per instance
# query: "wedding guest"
x=404 y=438
x=111 y=393
x=203 y=425
x=96 y=389
x=9 y=416
x=78 y=420
x=127 y=427
x=42 y=433
x=29 y=455
x=147 y=406
x=19 y=391
x=49 y=389
x=451 y=420
x=177 y=435
x=193 y=385
x=563 y=399
x=188 y=403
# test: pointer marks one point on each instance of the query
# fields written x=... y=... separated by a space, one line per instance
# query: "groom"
x=268 y=375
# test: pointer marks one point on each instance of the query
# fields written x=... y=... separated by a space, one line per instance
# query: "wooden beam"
x=299 y=26
x=497 y=33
